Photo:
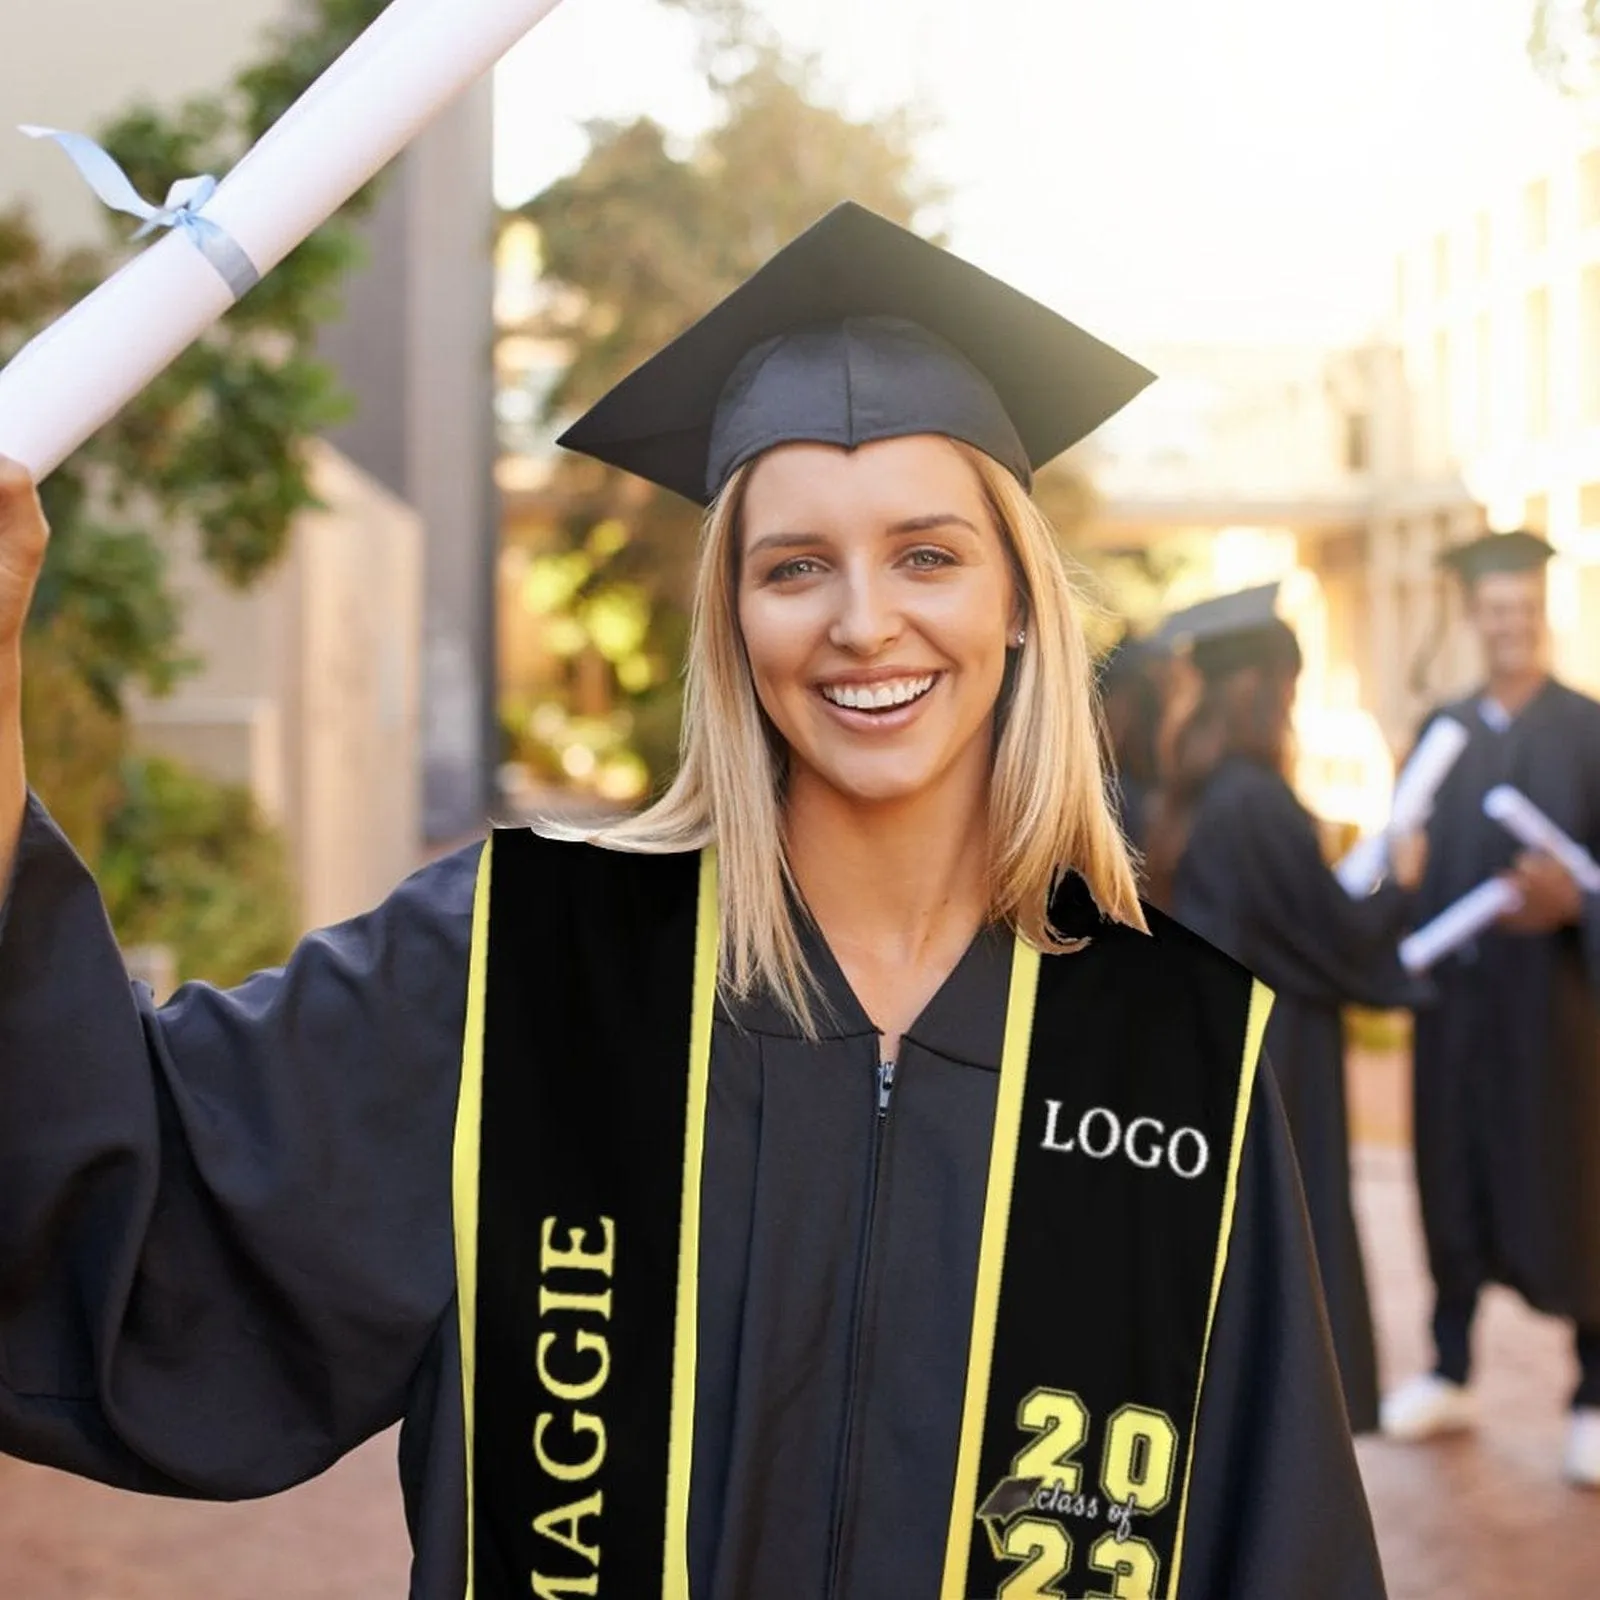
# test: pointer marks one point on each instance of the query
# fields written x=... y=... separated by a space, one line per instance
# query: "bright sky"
x=1158 y=169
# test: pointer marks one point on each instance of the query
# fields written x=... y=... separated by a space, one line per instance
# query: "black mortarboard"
x=1244 y=611
x=1517 y=551
x=858 y=330
x=1230 y=631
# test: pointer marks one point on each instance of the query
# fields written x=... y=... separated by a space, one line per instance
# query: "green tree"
x=211 y=450
x=639 y=241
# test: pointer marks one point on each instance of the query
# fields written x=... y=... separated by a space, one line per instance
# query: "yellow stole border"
x=469 y=1124
x=680 y=1449
x=1261 y=998
x=991 y=1261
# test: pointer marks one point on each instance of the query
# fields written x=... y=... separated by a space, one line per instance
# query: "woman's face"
x=876 y=601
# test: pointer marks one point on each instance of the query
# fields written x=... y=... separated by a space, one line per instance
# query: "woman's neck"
x=906 y=880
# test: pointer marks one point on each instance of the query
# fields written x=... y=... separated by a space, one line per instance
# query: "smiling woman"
x=728 y=1202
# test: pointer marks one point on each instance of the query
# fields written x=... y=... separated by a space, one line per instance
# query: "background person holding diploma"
x=1236 y=856
x=1507 y=1076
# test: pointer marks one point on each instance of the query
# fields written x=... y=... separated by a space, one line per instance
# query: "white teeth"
x=877 y=696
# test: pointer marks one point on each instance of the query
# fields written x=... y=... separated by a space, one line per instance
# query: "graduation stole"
x=1124 y=1087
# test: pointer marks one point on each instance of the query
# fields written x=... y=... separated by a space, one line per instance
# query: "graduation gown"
x=1507 y=1082
x=225 y=1259
x=1252 y=880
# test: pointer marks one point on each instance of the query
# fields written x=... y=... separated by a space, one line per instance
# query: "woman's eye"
x=925 y=558
x=795 y=567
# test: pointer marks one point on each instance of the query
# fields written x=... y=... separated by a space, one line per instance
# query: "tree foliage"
x=211 y=450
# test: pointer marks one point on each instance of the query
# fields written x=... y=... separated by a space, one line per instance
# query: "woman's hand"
x=1408 y=859
x=23 y=536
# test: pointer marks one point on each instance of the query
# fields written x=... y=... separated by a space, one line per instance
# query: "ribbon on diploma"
x=183 y=211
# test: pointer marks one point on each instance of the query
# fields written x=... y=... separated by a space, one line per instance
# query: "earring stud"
x=1019 y=638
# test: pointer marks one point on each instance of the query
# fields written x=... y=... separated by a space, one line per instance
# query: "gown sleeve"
x=225 y=1244
x=1278 y=1507
x=1300 y=933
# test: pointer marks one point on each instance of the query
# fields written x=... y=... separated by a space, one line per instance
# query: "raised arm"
x=225 y=1244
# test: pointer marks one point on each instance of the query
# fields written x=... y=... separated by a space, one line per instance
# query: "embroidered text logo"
x=1144 y=1141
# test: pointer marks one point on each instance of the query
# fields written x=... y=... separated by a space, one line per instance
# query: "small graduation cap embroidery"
x=856 y=331
x=1007 y=1500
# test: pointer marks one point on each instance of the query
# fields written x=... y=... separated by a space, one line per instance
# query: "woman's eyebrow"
x=782 y=541
x=927 y=524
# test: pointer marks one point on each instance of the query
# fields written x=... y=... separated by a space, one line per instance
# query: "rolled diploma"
x=83 y=369
x=1524 y=821
x=1414 y=793
x=1458 y=923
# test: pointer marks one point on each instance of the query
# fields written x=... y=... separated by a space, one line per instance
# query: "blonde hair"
x=1048 y=807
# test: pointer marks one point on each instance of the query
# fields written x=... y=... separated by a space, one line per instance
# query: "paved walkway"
x=1481 y=1520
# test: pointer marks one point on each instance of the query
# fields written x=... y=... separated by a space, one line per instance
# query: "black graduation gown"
x=225 y=1259
x=1507 y=1080
x=1252 y=880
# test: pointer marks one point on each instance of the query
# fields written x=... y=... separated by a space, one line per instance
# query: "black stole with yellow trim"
x=586 y=1034
x=1121 y=1111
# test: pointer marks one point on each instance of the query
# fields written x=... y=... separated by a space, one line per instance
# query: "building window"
x=1589 y=188
x=1536 y=214
x=1483 y=386
x=1483 y=234
x=1589 y=344
x=1537 y=317
x=1589 y=505
x=1441 y=266
x=1536 y=513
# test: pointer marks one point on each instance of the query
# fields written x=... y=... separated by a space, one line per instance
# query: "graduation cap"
x=858 y=330
x=1005 y=1502
x=1230 y=631
x=1517 y=551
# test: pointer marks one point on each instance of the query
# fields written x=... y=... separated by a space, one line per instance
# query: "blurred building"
x=1498 y=322
x=410 y=483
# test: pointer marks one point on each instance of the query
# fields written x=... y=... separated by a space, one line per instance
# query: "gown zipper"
x=883 y=1097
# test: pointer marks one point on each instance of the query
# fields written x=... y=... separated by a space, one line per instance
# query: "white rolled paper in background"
x=345 y=129
x=1459 y=923
x=1526 y=823
x=1417 y=787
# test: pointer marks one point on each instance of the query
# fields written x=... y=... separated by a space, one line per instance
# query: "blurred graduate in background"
x=1234 y=855
x=1508 y=1060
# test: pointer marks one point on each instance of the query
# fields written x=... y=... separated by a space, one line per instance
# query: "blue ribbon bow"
x=183 y=210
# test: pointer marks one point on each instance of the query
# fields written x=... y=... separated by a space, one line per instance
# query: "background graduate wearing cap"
x=1508 y=1056
x=1236 y=856
x=226 y=1249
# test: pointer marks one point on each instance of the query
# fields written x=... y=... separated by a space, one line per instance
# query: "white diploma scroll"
x=1360 y=872
x=1459 y=923
x=417 y=57
x=1526 y=823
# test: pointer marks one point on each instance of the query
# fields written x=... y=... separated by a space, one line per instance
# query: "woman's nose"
x=866 y=620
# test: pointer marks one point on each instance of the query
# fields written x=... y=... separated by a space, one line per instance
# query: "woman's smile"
x=883 y=700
